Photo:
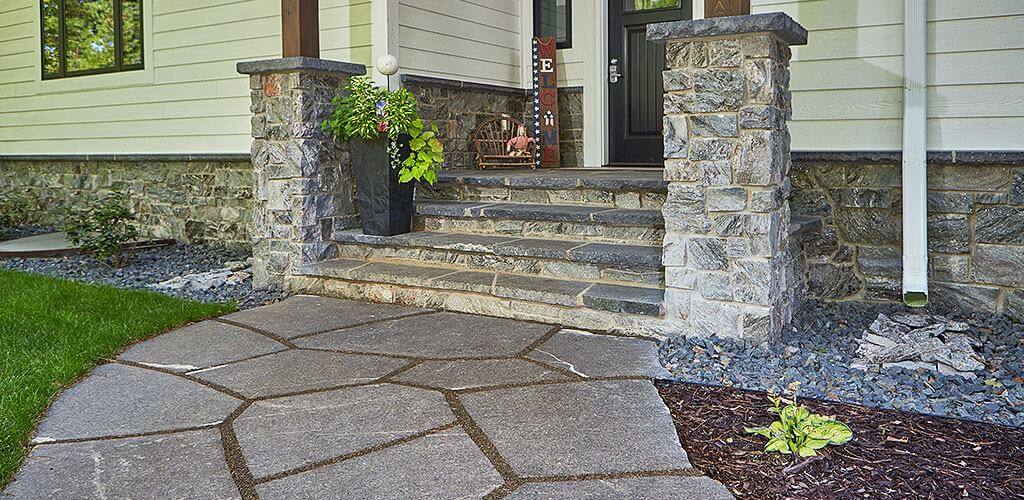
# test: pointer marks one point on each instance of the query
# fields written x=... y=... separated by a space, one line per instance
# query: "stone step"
x=554 y=258
x=570 y=222
x=596 y=306
x=614 y=188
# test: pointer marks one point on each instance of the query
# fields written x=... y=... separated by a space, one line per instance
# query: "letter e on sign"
x=546 y=66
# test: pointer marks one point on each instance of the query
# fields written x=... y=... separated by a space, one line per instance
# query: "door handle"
x=613 y=71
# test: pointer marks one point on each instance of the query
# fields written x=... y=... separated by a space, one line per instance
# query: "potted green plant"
x=391 y=149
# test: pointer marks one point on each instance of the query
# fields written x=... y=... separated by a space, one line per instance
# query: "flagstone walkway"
x=322 y=398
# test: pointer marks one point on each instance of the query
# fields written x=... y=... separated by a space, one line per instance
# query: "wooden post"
x=300 y=28
x=721 y=8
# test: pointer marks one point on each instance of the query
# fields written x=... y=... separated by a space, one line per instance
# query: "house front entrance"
x=634 y=79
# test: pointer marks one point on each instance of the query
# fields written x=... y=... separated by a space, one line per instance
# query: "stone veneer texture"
x=459 y=108
x=975 y=233
x=190 y=200
x=727 y=162
x=304 y=187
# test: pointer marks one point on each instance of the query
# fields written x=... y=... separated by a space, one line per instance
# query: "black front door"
x=634 y=78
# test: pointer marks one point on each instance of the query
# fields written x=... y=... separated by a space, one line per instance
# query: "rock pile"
x=233 y=273
x=914 y=341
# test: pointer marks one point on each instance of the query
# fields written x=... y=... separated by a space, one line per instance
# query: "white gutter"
x=915 y=184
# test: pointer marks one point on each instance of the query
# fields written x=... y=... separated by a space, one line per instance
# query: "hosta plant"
x=103 y=227
x=798 y=431
x=368 y=112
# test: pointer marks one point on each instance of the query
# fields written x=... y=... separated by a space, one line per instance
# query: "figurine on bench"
x=503 y=142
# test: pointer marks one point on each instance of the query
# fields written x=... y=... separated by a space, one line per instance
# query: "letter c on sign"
x=545 y=65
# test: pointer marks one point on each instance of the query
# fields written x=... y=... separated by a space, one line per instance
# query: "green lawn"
x=53 y=331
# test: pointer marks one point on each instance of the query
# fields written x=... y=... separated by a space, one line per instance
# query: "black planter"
x=385 y=205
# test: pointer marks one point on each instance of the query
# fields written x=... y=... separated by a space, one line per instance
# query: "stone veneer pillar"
x=303 y=183
x=727 y=161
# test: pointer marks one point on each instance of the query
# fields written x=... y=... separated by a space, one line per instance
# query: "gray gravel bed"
x=153 y=266
x=818 y=349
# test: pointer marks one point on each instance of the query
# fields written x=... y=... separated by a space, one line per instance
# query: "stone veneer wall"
x=190 y=199
x=458 y=108
x=975 y=232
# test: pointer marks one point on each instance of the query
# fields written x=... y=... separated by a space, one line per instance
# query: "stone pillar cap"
x=776 y=23
x=299 y=63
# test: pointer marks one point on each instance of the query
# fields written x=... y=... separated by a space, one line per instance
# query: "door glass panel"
x=642 y=5
x=90 y=34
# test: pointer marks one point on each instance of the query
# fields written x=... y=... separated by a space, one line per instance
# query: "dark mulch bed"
x=894 y=454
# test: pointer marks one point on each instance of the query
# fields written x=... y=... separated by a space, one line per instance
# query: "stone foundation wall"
x=975 y=232
x=190 y=199
x=458 y=108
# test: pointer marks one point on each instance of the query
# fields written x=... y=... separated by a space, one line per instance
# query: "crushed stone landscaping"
x=149 y=268
x=819 y=352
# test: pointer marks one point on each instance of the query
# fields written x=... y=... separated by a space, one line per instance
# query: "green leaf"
x=806 y=452
x=760 y=431
x=831 y=431
x=417 y=144
x=430 y=176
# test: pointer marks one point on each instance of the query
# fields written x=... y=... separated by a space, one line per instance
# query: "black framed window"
x=553 y=18
x=87 y=37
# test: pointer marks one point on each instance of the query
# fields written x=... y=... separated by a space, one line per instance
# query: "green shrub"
x=799 y=431
x=103 y=227
x=368 y=112
x=15 y=210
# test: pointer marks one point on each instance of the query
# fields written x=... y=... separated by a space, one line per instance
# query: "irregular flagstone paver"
x=134 y=429
x=184 y=465
x=278 y=435
x=592 y=355
x=118 y=400
x=298 y=370
x=305 y=314
x=665 y=487
x=574 y=428
x=443 y=465
x=440 y=335
x=201 y=345
x=457 y=375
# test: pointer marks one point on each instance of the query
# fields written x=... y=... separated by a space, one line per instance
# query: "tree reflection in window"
x=83 y=37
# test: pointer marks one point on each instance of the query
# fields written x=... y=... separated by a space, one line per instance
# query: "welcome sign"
x=545 y=102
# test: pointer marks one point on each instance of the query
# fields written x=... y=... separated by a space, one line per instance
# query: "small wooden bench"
x=491 y=138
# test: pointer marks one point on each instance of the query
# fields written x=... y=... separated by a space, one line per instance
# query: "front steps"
x=573 y=247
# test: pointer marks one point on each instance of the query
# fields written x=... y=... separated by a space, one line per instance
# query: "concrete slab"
x=277 y=435
x=577 y=428
x=298 y=370
x=443 y=465
x=201 y=345
x=185 y=465
x=118 y=400
x=457 y=375
x=439 y=335
x=593 y=355
x=305 y=314
x=652 y=488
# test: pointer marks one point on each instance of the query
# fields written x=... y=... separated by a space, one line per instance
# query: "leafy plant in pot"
x=391 y=150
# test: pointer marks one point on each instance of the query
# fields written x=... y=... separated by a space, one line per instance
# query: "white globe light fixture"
x=387 y=64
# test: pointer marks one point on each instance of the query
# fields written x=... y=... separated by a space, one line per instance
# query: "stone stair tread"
x=610 y=254
x=615 y=298
x=541 y=212
x=565 y=178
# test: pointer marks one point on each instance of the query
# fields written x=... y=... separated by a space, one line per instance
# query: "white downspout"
x=915 y=184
